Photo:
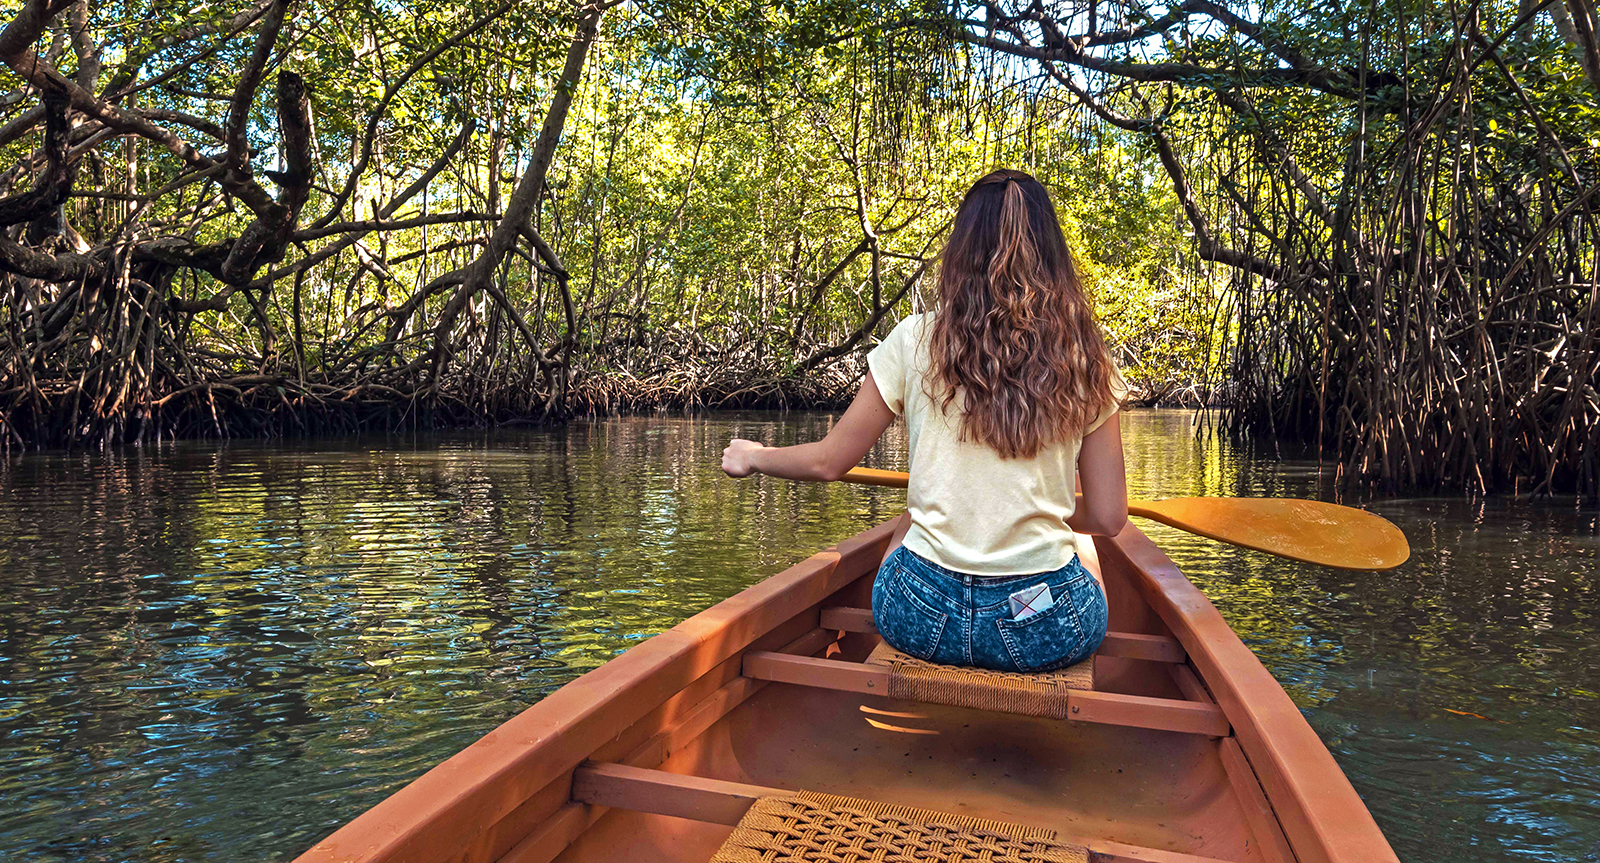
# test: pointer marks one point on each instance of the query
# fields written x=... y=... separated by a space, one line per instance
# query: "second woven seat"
x=1044 y=694
x=822 y=828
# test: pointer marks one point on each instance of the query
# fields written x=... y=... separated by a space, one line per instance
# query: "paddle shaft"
x=900 y=479
x=1305 y=530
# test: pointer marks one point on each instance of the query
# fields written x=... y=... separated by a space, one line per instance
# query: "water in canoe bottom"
x=224 y=651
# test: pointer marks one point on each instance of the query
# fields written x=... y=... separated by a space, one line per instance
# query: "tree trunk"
x=520 y=206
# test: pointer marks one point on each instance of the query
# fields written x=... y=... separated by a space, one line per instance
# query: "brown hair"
x=1016 y=333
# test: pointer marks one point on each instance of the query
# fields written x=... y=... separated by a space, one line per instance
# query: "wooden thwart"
x=618 y=786
x=1137 y=711
x=820 y=673
x=718 y=801
x=1123 y=645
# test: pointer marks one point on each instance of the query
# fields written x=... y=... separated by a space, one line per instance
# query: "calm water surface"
x=217 y=652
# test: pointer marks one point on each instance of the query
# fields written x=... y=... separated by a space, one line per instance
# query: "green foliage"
x=718 y=180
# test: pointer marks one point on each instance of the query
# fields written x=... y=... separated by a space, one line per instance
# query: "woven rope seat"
x=821 y=828
x=1043 y=694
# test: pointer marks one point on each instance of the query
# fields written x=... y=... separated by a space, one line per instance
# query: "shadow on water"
x=221 y=652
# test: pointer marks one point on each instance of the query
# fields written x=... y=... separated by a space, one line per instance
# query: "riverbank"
x=283 y=404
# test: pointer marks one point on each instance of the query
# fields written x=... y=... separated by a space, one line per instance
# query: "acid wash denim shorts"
x=954 y=618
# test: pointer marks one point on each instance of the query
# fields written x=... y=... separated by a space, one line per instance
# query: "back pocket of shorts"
x=907 y=622
x=1044 y=641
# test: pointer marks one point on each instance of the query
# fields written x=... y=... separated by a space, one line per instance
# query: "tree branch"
x=244 y=93
x=54 y=184
x=519 y=208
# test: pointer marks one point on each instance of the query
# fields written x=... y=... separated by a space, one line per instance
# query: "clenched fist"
x=736 y=457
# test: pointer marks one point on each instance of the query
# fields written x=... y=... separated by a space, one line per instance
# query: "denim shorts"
x=953 y=618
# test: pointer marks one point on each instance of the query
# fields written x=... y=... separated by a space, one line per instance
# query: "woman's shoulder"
x=912 y=328
x=910 y=338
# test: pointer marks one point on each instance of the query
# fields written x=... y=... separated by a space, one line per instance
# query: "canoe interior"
x=681 y=704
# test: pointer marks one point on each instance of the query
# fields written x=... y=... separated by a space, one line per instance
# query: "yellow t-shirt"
x=971 y=510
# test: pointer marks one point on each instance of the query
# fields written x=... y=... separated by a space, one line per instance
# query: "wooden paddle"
x=1308 y=530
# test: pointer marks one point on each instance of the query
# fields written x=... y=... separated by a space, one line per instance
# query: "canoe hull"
x=680 y=703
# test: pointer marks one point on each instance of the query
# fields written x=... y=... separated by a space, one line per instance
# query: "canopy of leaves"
x=1355 y=223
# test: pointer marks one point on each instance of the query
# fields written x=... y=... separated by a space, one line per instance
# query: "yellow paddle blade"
x=1315 y=532
x=1310 y=530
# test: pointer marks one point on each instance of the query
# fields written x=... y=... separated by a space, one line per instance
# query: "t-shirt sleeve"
x=888 y=364
x=1119 y=394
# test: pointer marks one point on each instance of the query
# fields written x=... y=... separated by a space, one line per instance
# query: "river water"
x=216 y=652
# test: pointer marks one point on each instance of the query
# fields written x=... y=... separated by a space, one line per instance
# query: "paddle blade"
x=1308 y=530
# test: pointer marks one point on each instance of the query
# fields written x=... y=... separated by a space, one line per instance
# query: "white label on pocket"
x=1029 y=601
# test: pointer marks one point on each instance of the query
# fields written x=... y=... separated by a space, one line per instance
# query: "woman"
x=1006 y=390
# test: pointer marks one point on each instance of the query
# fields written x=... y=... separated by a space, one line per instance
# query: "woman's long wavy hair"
x=1016 y=333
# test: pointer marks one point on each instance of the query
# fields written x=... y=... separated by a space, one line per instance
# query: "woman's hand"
x=821 y=461
x=736 y=457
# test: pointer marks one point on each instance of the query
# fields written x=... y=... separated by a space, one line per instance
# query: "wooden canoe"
x=1185 y=751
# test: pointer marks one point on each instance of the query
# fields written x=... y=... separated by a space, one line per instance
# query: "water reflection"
x=222 y=652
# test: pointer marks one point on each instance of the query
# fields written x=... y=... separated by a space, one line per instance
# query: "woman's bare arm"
x=1103 y=505
x=827 y=459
